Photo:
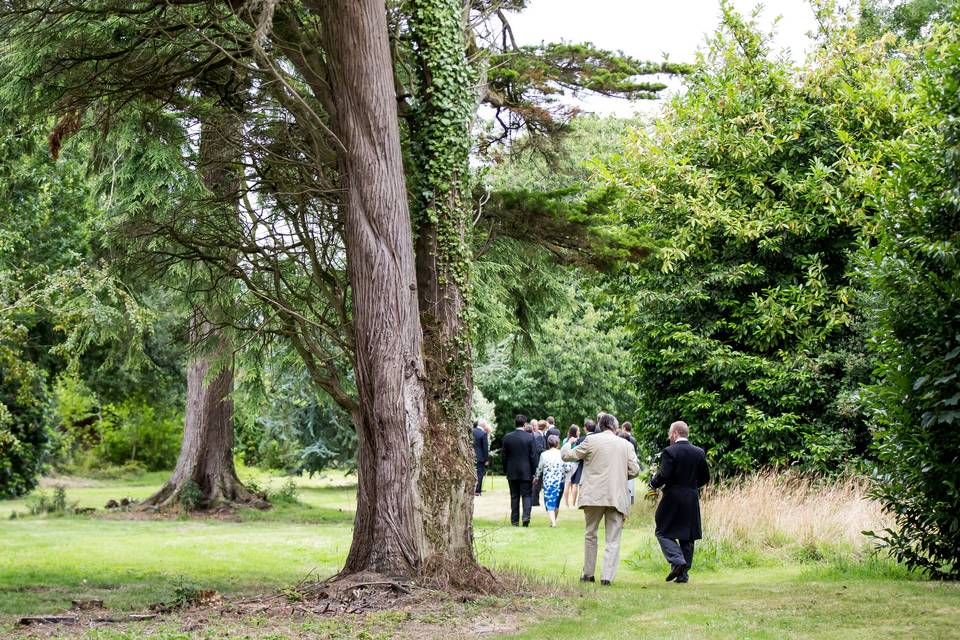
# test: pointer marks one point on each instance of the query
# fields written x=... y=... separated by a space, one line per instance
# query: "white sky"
x=648 y=29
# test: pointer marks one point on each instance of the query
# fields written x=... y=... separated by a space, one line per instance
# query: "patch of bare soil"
x=363 y=606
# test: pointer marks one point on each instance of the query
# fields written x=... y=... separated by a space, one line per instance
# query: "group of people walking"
x=596 y=470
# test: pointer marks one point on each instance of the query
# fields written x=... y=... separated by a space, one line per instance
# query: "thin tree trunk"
x=205 y=468
x=388 y=535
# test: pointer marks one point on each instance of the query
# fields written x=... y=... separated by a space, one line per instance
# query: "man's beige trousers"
x=611 y=553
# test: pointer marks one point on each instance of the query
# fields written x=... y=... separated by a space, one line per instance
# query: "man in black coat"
x=683 y=470
x=481 y=447
x=519 y=464
x=539 y=446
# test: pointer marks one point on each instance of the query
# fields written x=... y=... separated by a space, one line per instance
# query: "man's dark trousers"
x=481 y=471
x=520 y=490
x=676 y=551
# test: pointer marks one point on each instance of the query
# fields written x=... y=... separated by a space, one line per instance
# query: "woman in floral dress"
x=551 y=472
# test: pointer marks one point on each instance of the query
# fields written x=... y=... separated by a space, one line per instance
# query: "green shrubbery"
x=114 y=440
x=134 y=431
x=755 y=188
x=914 y=273
x=24 y=437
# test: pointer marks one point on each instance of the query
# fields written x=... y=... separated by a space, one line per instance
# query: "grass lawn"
x=734 y=593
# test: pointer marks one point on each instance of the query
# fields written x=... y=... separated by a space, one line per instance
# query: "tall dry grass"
x=778 y=510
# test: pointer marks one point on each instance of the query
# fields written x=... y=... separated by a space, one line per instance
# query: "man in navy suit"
x=519 y=464
x=481 y=447
x=683 y=470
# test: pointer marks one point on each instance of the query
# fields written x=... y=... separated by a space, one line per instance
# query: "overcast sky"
x=648 y=29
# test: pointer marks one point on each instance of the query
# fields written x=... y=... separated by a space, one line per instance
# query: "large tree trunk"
x=440 y=130
x=388 y=535
x=205 y=476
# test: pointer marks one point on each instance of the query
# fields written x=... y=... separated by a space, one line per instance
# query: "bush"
x=75 y=413
x=24 y=438
x=915 y=273
x=134 y=431
x=756 y=187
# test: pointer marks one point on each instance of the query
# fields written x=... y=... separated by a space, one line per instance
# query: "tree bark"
x=440 y=131
x=388 y=535
x=205 y=465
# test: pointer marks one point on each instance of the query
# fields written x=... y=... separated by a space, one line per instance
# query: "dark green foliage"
x=756 y=187
x=914 y=270
x=34 y=242
x=191 y=496
x=24 y=439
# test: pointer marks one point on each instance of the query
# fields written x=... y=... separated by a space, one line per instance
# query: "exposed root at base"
x=228 y=495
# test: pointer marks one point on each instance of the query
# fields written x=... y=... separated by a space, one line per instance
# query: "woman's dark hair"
x=573 y=431
x=552 y=441
x=589 y=425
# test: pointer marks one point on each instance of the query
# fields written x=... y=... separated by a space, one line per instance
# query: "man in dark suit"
x=481 y=447
x=519 y=464
x=683 y=470
x=539 y=446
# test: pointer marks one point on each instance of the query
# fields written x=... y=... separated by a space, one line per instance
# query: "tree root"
x=228 y=493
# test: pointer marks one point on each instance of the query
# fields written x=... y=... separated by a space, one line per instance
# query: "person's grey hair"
x=607 y=421
x=553 y=441
x=680 y=428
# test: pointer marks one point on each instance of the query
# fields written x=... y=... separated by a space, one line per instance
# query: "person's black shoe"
x=526 y=523
x=605 y=583
x=587 y=579
x=683 y=579
x=514 y=524
x=676 y=571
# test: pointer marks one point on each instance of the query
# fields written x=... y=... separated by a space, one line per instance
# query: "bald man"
x=683 y=471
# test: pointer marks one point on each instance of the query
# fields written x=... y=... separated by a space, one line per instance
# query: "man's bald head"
x=679 y=429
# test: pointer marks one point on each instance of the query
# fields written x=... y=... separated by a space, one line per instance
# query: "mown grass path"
x=46 y=562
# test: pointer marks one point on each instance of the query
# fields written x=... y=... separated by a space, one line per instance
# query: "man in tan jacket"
x=608 y=462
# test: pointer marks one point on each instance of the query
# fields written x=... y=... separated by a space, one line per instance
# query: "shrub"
x=191 y=496
x=914 y=271
x=756 y=187
x=134 y=431
x=24 y=438
x=287 y=494
x=75 y=413
x=57 y=504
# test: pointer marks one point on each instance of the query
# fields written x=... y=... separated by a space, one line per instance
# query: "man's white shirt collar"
x=682 y=440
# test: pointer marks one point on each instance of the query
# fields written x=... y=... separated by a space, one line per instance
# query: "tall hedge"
x=914 y=272
x=756 y=190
